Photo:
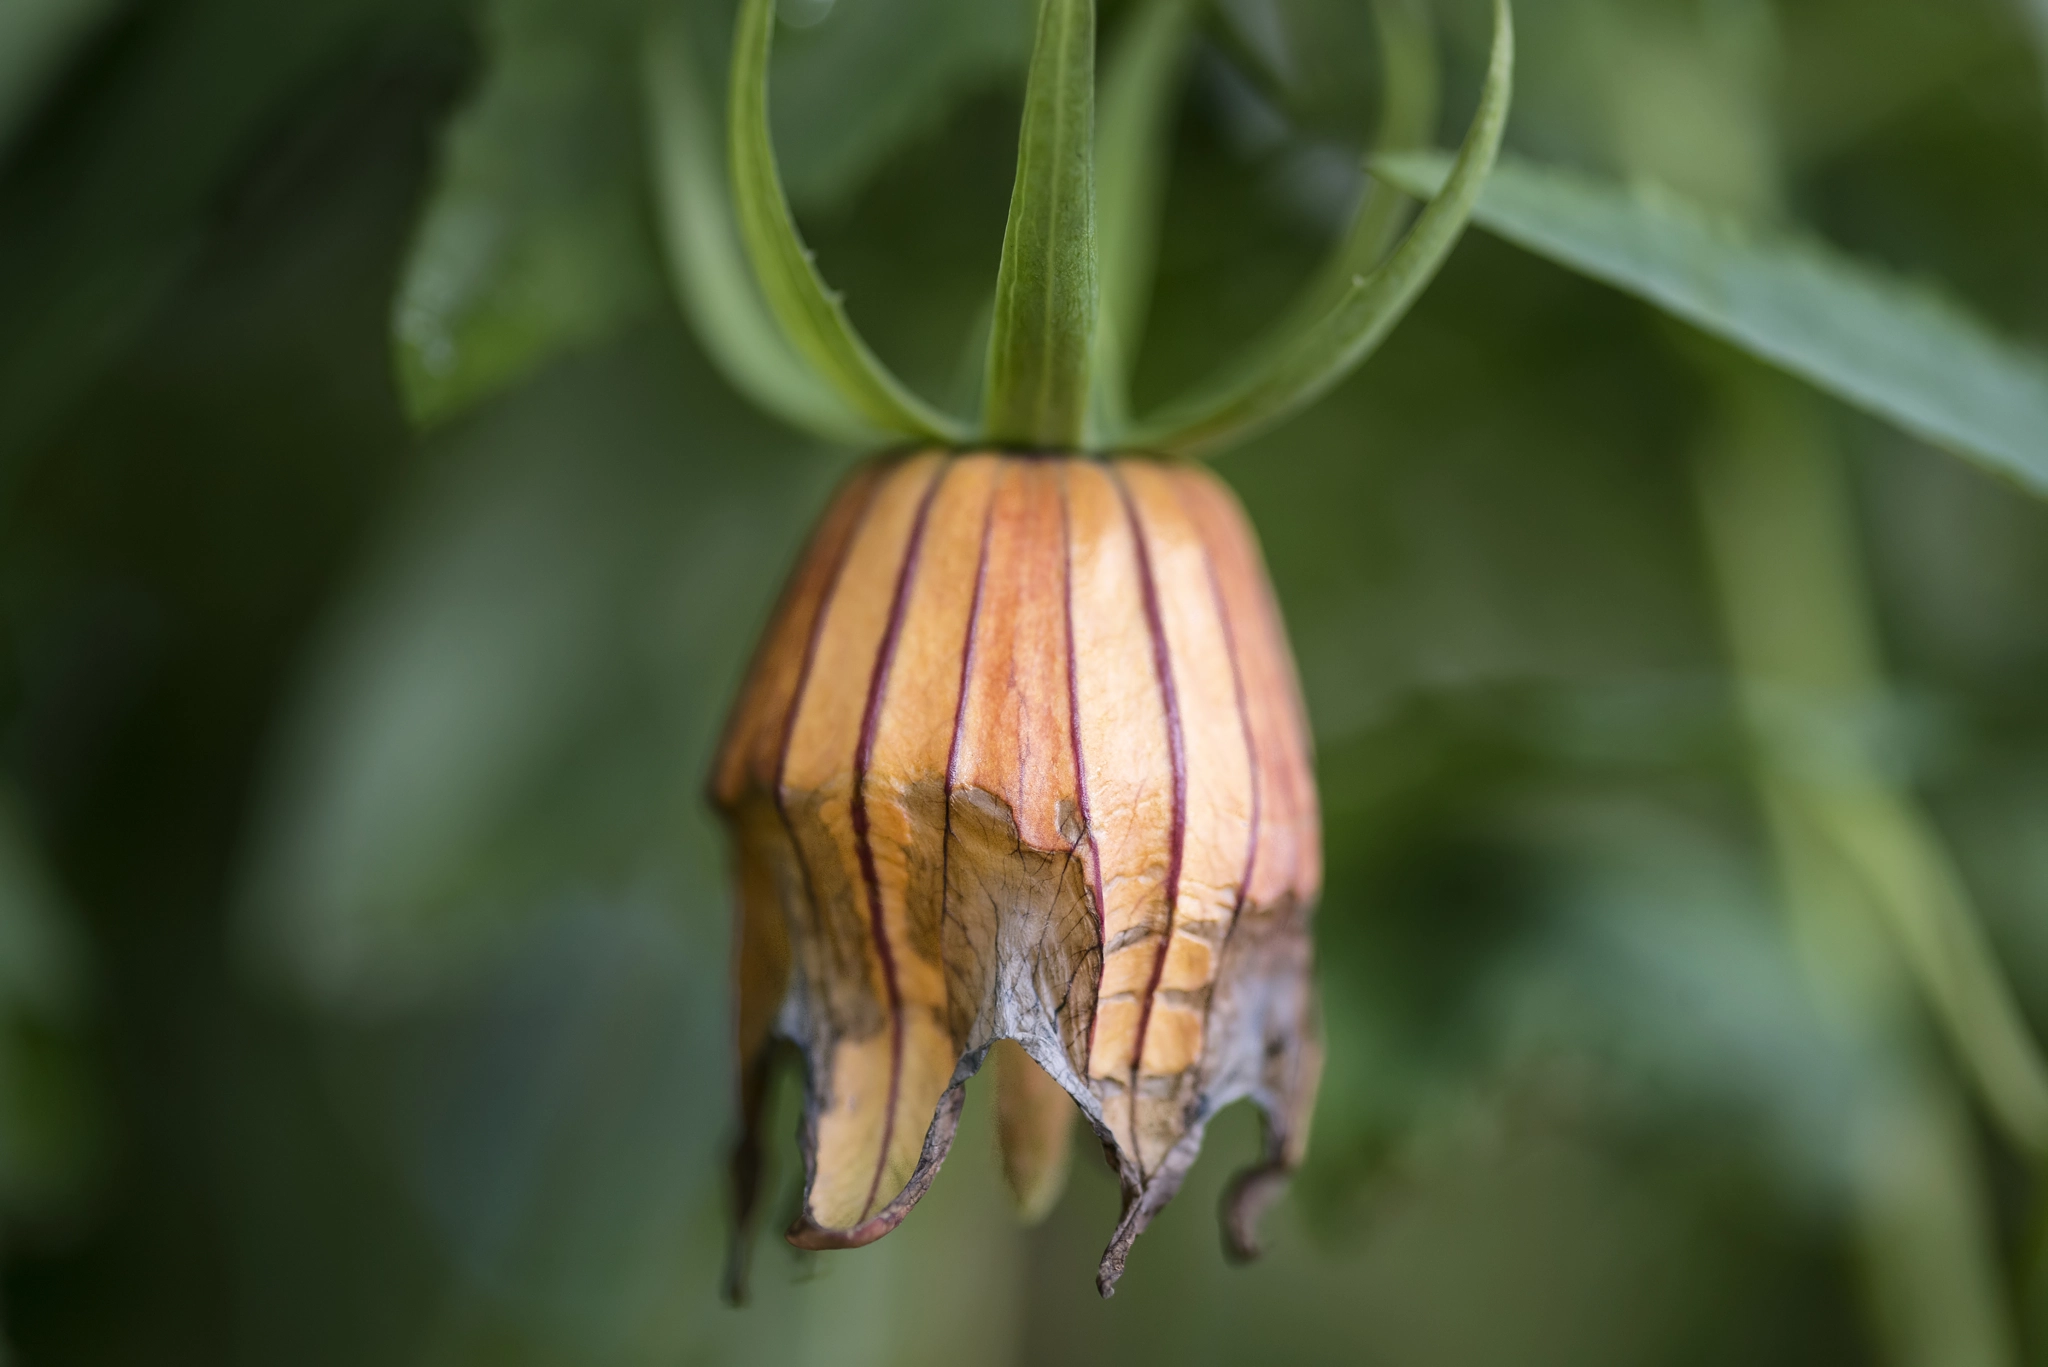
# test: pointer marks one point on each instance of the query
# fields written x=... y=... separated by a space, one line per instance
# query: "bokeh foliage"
x=362 y=932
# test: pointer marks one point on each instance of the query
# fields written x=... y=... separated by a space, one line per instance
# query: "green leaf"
x=534 y=242
x=812 y=316
x=1041 y=352
x=1283 y=379
x=1412 y=84
x=1783 y=544
x=706 y=262
x=108 y=211
x=47 y=1112
x=37 y=37
x=1132 y=145
x=1414 y=95
x=516 y=700
x=1893 y=348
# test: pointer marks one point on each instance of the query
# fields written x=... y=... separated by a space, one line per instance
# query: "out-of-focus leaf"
x=46 y=1121
x=875 y=75
x=522 y=692
x=1913 y=881
x=713 y=281
x=1800 y=631
x=1595 y=917
x=1894 y=349
x=41 y=969
x=36 y=36
x=104 y=221
x=1697 y=991
x=556 y=1122
x=1259 y=29
x=536 y=240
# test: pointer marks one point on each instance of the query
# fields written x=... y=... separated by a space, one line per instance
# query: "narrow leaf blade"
x=707 y=264
x=812 y=317
x=1041 y=352
x=1893 y=348
x=1282 y=380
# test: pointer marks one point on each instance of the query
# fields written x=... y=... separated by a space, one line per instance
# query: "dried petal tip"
x=1022 y=758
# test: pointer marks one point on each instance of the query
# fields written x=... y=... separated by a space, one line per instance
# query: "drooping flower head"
x=1021 y=768
x=1023 y=758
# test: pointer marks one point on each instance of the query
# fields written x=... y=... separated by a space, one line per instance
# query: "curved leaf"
x=1413 y=82
x=1301 y=370
x=812 y=316
x=706 y=262
x=1893 y=348
x=1041 y=352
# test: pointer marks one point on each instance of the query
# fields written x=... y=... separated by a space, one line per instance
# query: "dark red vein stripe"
x=864 y=848
x=1074 y=731
x=736 y=741
x=1169 y=697
x=968 y=652
x=826 y=598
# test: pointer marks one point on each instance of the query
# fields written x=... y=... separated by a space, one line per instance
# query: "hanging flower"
x=1021 y=767
x=1023 y=758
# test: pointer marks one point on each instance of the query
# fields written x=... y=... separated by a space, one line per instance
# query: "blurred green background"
x=378 y=553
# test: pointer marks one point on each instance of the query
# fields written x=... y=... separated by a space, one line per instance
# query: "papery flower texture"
x=1022 y=757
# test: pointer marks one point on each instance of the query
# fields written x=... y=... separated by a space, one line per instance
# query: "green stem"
x=1041 y=350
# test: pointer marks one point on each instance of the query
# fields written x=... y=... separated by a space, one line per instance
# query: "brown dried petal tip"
x=1022 y=757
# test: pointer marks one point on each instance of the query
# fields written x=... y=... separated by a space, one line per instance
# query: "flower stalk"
x=1041 y=355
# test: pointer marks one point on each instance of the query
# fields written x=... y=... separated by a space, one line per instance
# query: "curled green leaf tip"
x=1282 y=379
x=811 y=315
x=1048 y=384
x=707 y=263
